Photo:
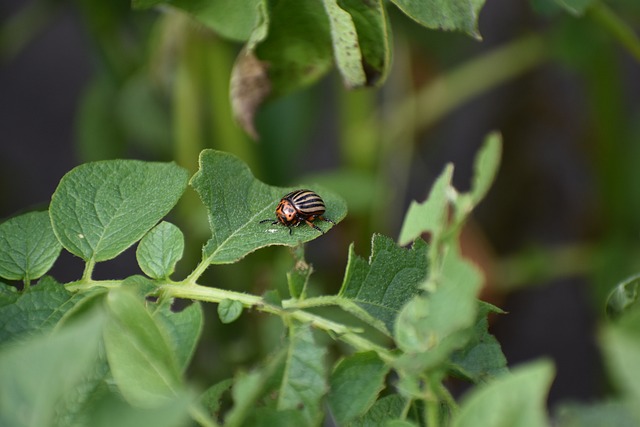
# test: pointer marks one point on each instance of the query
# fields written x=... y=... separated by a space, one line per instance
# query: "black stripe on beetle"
x=297 y=207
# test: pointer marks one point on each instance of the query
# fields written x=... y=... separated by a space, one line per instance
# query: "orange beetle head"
x=286 y=212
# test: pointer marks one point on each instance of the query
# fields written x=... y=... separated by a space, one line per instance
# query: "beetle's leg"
x=274 y=222
x=313 y=225
x=326 y=219
x=290 y=233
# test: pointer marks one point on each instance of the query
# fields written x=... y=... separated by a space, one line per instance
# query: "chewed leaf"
x=28 y=247
x=100 y=209
x=381 y=286
x=236 y=203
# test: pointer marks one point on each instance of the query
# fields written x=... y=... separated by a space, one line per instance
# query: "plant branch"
x=617 y=27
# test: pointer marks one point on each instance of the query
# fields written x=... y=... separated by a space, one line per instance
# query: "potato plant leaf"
x=621 y=345
x=229 y=310
x=377 y=289
x=28 y=247
x=36 y=309
x=38 y=373
x=355 y=384
x=236 y=203
x=159 y=250
x=304 y=382
x=183 y=329
x=142 y=362
x=516 y=399
x=100 y=209
x=452 y=15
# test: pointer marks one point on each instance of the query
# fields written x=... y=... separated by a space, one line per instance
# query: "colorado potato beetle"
x=300 y=206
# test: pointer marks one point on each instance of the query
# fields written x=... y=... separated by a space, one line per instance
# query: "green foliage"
x=131 y=349
x=28 y=247
x=100 y=209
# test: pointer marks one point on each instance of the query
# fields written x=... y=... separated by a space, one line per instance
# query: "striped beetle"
x=300 y=206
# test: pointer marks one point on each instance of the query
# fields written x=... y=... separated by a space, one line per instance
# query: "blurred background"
x=83 y=81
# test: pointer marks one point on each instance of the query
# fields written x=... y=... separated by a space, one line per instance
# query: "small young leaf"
x=141 y=360
x=39 y=372
x=183 y=328
x=28 y=247
x=305 y=378
x=160 y=249
x=36 y=309
x=431 y=215
x=229 y=310
x=236 y=202
x=298 y=278
x=460 y=15
x=100 y=209
x=354 y=386
x=486 y=166
x=442 y=317
x=517 y=399
x=624 y=296
x=380 y=287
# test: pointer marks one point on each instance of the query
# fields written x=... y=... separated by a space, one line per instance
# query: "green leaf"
x=248 y=387
x=431 y=215
x=379 y=288
x=236 y=202
x=233 y=19
x=620 y=343
x=298 y=46
x=28 y=247
x=229 y=310
x=459 y=15
x=298 y=277
x=305 y=378
x=346 y=47
x=211 y=399
x=596 y=415
x=486 y=166
x=575 y=7
x=100 y=209
x=517 y=399
x=441 y=317
x=141 y=360
x=355 y=384
x=374 y=36
x=112 y=411
x=624 y=296
x=183 y=328
x=35 y=310
x=160 y=249
x=482 y=358
x=385 y=409
x=39 y=372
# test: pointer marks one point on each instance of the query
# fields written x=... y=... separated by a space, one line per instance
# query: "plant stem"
x=617 y=27
x=344 y=333
x=88 y=270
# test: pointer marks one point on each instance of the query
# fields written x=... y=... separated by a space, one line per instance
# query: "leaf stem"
x=88 y=270
x=617 y=27
x=343 y=332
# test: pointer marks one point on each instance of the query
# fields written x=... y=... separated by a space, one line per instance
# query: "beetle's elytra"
x=300 y=206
